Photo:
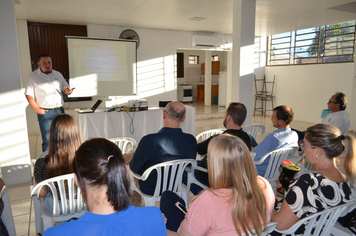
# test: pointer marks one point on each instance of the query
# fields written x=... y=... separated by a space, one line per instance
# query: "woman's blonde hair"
x=330 y=140
x=230 y=165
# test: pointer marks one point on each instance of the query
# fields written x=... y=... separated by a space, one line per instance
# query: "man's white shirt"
x=46 y=89
x=339 y=119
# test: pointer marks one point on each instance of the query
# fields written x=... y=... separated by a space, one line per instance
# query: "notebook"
x=90 y=110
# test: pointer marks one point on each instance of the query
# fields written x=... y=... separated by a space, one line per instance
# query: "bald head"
x=175 y=111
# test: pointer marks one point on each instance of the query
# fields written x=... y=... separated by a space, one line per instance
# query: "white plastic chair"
x=193 y=180
x=207 y=134
x=270 y=227
x=74 y=202
x=254 y=130
x=322 y=222
x=126 y=145
x=204 y=136
x=275 y=159
x=7 y=216
x=169 y=177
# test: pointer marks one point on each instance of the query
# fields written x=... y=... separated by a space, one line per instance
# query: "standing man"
x=44 y=94
x=338 y=116
x=282 y=137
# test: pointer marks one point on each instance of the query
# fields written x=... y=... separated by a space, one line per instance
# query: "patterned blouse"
x=313 y=193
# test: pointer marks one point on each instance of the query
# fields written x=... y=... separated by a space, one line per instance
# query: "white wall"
x=157 y=49
x=307 y=88
x=14 y=146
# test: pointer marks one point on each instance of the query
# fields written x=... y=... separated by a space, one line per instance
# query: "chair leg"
x=254 y=112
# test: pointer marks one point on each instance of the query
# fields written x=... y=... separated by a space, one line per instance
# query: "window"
x=214 y=58
x=324 y=44
x=193 y=60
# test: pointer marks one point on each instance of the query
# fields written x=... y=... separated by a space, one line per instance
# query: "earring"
x=317 y=155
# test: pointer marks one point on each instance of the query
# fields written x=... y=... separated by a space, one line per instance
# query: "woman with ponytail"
x=326 y=186
x=102 y=176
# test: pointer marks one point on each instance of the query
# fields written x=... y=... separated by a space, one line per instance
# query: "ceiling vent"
x=207 y=41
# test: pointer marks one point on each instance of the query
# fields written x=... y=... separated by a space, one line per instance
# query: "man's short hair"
x=238 y=112
x=284 y=113
x=175 y=114
x=43 y=55
x=341 y=99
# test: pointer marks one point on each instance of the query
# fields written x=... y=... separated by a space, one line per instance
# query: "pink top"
x=210 y=214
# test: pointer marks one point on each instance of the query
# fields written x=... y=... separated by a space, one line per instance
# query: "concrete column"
x=243 y=54
x=351 y=100
x=207 y=91
x=14 y=147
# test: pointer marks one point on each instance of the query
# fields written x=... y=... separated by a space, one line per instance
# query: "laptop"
x=90 y=110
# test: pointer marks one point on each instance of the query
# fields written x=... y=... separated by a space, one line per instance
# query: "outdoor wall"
x=307 y=88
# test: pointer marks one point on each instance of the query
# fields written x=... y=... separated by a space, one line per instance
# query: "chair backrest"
x=270 y=227
x=126 y=145
x=268 y=86
x=169 y=176
x=275 y=159
x=258 y=89
x=7 y=216
x=72 y=204
x=321 y=222
x=254 y=129
x=207 y=134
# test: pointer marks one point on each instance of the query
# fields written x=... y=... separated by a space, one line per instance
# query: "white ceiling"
x=272 y=16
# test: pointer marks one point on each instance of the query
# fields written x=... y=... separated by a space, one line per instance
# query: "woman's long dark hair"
x=100 y=162
x=64 y=140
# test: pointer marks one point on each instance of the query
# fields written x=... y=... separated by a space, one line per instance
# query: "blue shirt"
x=131 y=221
x=277 y=139
x=160 y=147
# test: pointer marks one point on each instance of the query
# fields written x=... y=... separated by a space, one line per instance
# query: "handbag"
x=349 y=221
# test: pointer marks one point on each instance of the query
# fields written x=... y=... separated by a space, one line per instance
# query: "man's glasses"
x=332 y=102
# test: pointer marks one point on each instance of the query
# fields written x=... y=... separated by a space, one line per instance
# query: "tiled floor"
x=207 y=117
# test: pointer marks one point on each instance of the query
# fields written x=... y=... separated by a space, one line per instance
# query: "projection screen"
x=103 y=67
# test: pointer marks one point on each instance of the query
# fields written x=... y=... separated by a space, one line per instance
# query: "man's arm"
x=34 y=105
x=264 y=147
x=202 y=147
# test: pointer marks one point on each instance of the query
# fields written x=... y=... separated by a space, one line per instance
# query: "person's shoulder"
x=33 y=74
x=188 y=135
x=57 y=73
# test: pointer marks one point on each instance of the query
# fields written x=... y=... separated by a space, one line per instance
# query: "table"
x=128 y=124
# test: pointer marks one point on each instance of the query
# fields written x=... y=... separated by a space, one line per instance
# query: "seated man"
x=235 y=116
x=338 y=116
x=159 y=147
x=282 y=137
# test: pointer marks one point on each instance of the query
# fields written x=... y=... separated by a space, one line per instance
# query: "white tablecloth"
x=118 y=124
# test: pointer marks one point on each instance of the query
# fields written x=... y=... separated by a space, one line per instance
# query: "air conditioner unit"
x=207 y=41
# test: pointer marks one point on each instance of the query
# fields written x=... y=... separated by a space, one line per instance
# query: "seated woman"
x=238 y=201
x=101 y=174
x=326 y=186
x=64 y=140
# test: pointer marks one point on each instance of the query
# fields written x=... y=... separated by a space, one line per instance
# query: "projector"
x=138 y=102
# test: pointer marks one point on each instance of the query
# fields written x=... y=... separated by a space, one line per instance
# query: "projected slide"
x=101 y=67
